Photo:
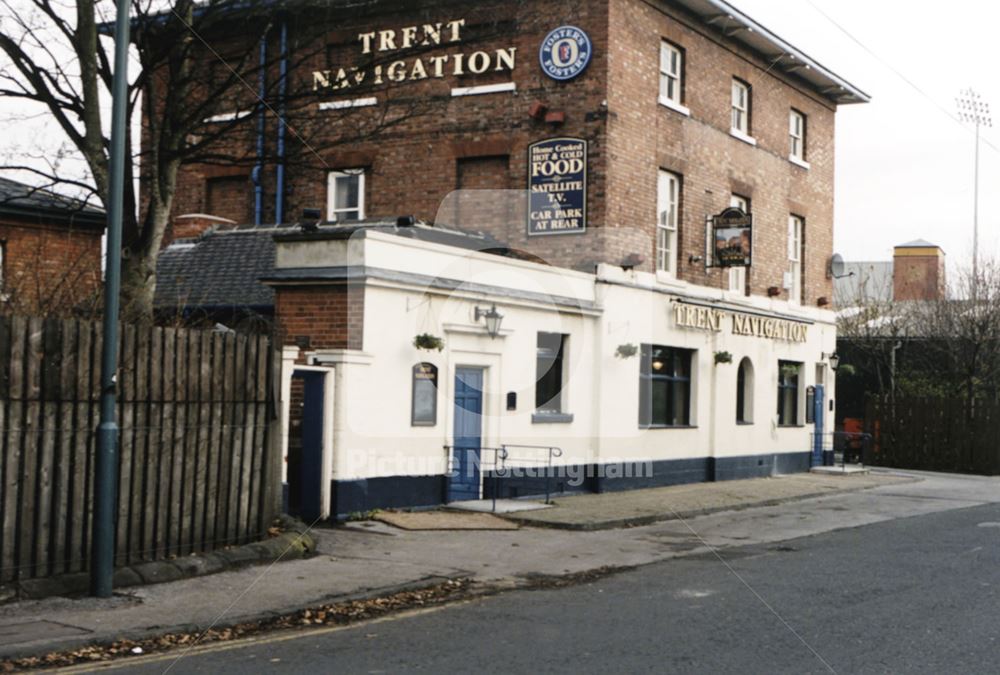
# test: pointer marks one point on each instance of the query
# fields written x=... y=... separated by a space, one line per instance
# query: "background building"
x=50 y=251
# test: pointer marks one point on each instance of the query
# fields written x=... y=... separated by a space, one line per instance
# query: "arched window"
x=744 y=392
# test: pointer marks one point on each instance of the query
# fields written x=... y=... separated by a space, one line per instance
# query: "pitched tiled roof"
x=219 y=270
x=20 y=200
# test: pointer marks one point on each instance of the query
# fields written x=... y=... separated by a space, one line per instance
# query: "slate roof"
x=219 y=270
x=21 y=201
x=222 y=269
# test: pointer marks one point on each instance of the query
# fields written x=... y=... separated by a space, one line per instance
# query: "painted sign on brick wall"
x=557 y=186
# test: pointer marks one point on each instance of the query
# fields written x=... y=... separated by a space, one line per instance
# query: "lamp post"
x=974 y=110
x=106 y=457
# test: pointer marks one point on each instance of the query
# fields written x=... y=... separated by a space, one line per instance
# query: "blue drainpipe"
x=279 y=197
x=258 y=184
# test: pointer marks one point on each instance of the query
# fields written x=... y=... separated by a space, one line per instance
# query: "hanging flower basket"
x=626 y=351
x=723 y=357
x=428 y=342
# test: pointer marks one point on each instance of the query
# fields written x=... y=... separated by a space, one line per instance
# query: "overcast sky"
x=904 y=169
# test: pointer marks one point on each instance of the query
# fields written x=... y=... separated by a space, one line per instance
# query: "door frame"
x=326 y=462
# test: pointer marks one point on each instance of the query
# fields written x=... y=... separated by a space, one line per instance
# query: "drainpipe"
x=279 y=197
x=258 y=185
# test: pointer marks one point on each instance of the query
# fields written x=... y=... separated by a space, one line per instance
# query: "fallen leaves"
x=341 y=613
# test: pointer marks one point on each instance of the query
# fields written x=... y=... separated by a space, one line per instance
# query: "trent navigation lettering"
x=710 y=319
x=419 y=68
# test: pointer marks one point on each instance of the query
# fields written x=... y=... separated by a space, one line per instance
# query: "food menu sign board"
x=557 y=186
x=732 y=238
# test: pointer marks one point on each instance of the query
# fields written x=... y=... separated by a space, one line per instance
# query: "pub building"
x=598 y=259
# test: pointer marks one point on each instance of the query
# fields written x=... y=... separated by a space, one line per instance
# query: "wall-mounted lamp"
x=692 y=259
x=834 y=360
x=493 y=319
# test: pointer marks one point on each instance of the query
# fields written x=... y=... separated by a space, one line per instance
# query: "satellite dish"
x=837 y=266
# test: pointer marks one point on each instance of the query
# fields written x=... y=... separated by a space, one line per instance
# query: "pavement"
x=641 y=507
x=373 y=558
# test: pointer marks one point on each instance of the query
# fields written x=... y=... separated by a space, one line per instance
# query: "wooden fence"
x=935 y=434
x=200 y=465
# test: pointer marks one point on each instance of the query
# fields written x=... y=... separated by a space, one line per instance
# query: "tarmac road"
x=915 y=595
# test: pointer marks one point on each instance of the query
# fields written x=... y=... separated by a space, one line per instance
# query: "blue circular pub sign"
x=565 y=53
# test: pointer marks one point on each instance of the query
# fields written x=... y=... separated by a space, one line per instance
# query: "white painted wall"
x=372 y=431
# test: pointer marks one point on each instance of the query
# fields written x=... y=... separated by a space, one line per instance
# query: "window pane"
x=659 y=402
x=347 y=192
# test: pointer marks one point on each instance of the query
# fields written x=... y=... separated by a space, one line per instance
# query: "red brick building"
x=50 y=250
x=644 y=120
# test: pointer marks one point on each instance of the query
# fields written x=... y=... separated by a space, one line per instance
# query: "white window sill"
x=737 y=134
x=799 y=162
x=676 y=107
x=349 y=103
x=484 y=89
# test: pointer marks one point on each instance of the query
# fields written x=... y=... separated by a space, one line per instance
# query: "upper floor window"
x=668 y=196
x=796 y=225
x=741 y=107
x=346 y=195
x=671 y=73
x=797 y=135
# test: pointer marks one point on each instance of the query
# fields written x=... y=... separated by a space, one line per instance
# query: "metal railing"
x=551 y=451
x=503 y=464
x=842 y=448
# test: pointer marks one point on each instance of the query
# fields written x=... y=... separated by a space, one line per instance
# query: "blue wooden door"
x=305 y=461
x=817 y=451
x=464 y=481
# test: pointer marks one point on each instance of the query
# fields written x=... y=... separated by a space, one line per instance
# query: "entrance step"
x=847 y=469
x=503 y=506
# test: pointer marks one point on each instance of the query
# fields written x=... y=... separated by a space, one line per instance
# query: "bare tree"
x=962 y=334
x=202 y=89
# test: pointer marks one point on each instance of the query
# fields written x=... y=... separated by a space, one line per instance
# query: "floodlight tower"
x=976 y=111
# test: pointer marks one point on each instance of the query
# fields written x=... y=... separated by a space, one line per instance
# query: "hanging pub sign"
x=732 y=238
x=557 y=186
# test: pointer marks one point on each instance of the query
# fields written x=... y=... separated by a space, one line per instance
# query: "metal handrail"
x=552 y=452
x=501 y=467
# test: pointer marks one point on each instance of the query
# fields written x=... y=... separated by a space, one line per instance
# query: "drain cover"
x=29 y=631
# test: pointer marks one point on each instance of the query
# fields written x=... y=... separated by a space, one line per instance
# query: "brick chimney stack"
x=918 y=271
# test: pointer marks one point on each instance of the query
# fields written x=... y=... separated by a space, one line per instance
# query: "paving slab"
x=445 y=520
x=642 y=507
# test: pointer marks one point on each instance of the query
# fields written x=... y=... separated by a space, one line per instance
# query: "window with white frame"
x=741 y=107
x=346 y=195
x=738 y=275
x=796 y=225
x=797 y=135
x=671 y=72
x=668 y=195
